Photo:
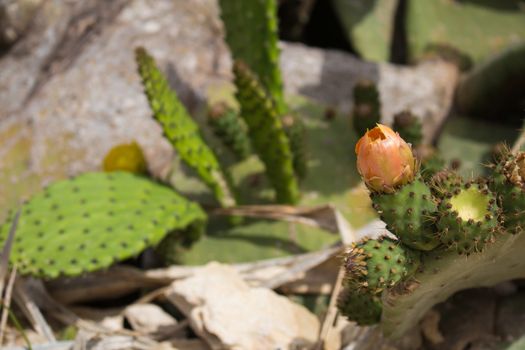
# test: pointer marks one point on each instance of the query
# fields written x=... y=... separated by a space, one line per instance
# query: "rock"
x=228 y=314
x=150 y=318
x=15 y=18
x=70 y=91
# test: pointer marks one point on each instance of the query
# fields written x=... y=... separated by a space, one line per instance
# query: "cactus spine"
x=266 y=133
x=91 y=221
x=181 y=130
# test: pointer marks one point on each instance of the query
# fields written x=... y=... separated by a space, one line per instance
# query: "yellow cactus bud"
x=126 y=157
x=384 y=160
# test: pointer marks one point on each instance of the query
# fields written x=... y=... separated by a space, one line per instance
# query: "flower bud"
x=384 y=160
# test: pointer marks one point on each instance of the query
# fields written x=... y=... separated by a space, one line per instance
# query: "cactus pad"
x=468 y=218
x=375 y=264
x=126 y=157
x=507 y=181
x=181 y=130
x=266 y=133
x=409 y=214
x=296 y=133
x=89 y=222
x=363 y=308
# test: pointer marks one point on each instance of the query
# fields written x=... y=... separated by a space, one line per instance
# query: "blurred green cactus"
x=266 y=133
x=181 y=130
x=252 y=35
x=91 y=221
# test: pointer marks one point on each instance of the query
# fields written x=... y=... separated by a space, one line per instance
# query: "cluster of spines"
x=252 y=35
x=367 y=106
x=266 y=133
x=371 y=266
x=181 y=130
x=89 y=222
x=230 y=129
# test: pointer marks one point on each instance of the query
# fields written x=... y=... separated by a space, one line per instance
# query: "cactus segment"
x=230 y=129
x=410 y=214
x=468 y=218
x=266 y=133
x=171 y=247
x=375 y=264
x=181 y=130
x=89 y=222
x=296 y=133
x=252 y=35
x=508 y=181
x=367 y=106
x=430 y=159
x=126 y=157
x=409 y=127
x=363 y=308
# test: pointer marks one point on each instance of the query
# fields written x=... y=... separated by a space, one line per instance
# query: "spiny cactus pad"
x=296 y=133
x=409 y=214
x=509 y=184
x=89 y=222
x=252 y=35
x=266 y=133
x=181 y=130
x=363 y=308
x=375 y=264
x=468 y=218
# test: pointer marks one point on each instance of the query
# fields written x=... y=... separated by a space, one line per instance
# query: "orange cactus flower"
x=384 y=160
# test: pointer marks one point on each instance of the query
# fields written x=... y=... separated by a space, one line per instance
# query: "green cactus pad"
x=430 y=159
x=181 y=130
x=468 y=218
x=375 y=264
x=91 y=221
x=126 y=157
x=410 y=214
x=252 y=35
x=230 y=129
x=367 y=107
x=266 y=133
x=409 y=127
x=296 y=133
x=507 y=181
x=363 y=308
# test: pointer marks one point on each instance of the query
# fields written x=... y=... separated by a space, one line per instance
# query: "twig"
x=6 y=251
x=32 y=312
x=331 y=313
x=6 y=304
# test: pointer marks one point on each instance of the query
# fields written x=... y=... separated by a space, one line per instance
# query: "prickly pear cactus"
x=252 y=35
x=181 y=130
x=126 y=157
x=91 y=221
x=367 y=106
x=362 y=307
x=474 y=250
x=266 y=133
x=230 y=128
